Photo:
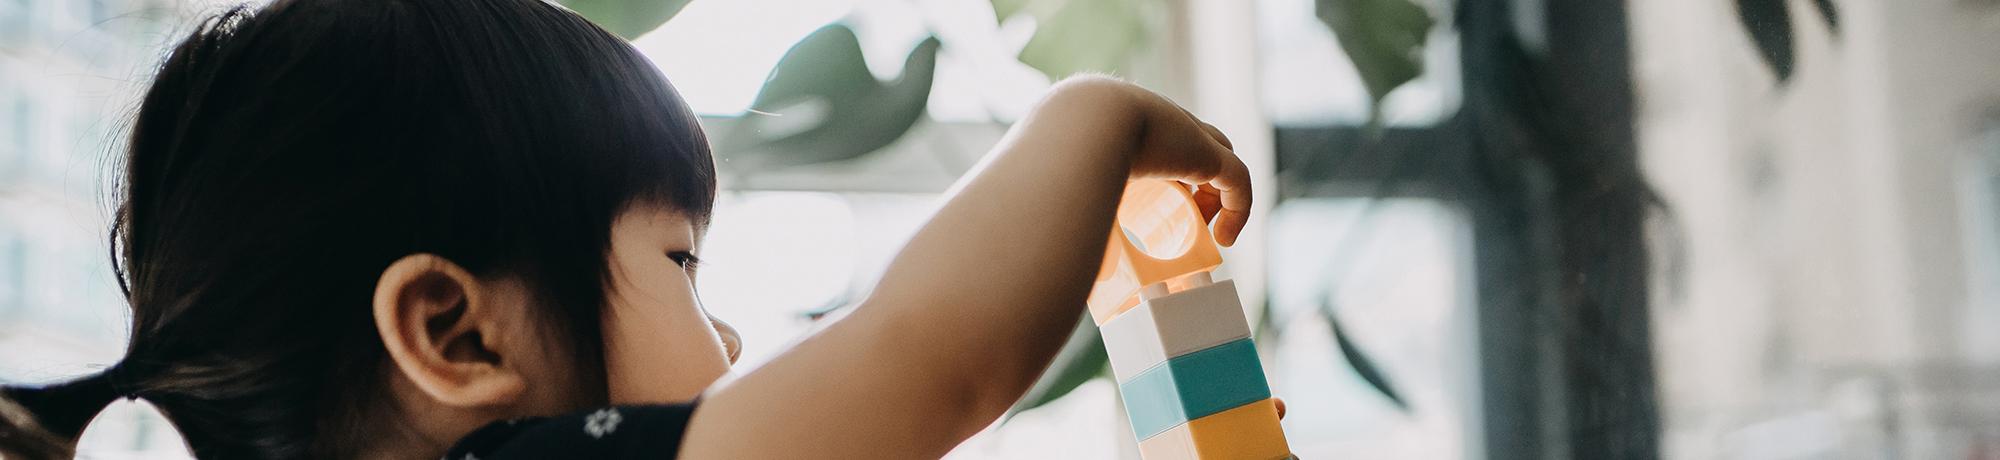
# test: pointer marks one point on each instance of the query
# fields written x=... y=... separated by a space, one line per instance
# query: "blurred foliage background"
x=1760 y=229
x=855 y=114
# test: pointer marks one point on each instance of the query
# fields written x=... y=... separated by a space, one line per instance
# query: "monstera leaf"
x=627 y=18
x=1383 y=38
x=1073 y=36
x=1083 y=358
x=856 y=114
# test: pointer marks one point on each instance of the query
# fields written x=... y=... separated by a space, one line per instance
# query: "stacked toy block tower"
x=1179 y=344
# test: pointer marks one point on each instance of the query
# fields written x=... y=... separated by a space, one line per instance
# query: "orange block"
x=1248 y=432
x=1160 y=237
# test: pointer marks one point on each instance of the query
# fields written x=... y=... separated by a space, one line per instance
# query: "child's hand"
x=1170 y=143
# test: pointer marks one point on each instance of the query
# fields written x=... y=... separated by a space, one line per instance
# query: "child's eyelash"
x=686 y=260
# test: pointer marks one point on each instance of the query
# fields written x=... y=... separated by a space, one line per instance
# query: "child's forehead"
x=646 y=215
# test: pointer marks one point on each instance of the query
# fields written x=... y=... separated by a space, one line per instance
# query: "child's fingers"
x=1227 y=196
x=1234 y=186
x=1208 y=200
x=1214 y=133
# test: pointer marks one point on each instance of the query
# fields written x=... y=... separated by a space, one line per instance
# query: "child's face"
x=660 y=345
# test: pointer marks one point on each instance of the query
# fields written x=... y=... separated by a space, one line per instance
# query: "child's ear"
x=440 y=330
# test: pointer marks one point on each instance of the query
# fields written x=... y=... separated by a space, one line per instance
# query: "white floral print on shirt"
x=602 y=422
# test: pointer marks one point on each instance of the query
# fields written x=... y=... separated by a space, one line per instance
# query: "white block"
x=1173 y=325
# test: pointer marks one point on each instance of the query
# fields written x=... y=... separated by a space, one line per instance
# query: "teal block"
x=1194 y=385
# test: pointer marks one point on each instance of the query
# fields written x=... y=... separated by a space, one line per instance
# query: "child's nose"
x=732 y=342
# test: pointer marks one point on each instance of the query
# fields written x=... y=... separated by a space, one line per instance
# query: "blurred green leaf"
x=1769 y=23
x=627 y=18
x=1082 y=358
x=1003 y=9
x=1363 y=366
x=1384 y=39
x=828 y=308
x=1073 y=36
x=859 y=113
x=1829 y=12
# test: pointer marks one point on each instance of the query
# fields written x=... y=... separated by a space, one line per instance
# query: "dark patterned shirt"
x=652 y=432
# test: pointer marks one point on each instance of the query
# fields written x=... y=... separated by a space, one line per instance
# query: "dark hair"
x=22 y=438
x=285 y=156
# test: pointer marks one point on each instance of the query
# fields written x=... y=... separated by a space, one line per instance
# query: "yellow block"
x=1248 y=432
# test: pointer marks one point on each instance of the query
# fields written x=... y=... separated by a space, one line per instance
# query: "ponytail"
x=44 y=422
x=63 y=409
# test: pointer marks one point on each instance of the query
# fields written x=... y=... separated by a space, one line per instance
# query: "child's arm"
x=974 y=307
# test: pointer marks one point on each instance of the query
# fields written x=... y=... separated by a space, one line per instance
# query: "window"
x=13 y=267
x=740 y=41
x=18 y=133
x=1395 y=275
x=16 y=21
x=1980 y=188
x=1307 y=79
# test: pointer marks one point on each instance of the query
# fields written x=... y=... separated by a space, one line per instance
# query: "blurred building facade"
x=68 y=74
x=1836 y=291
x=67 y=69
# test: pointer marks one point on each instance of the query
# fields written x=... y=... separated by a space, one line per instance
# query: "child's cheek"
x=660 y=353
